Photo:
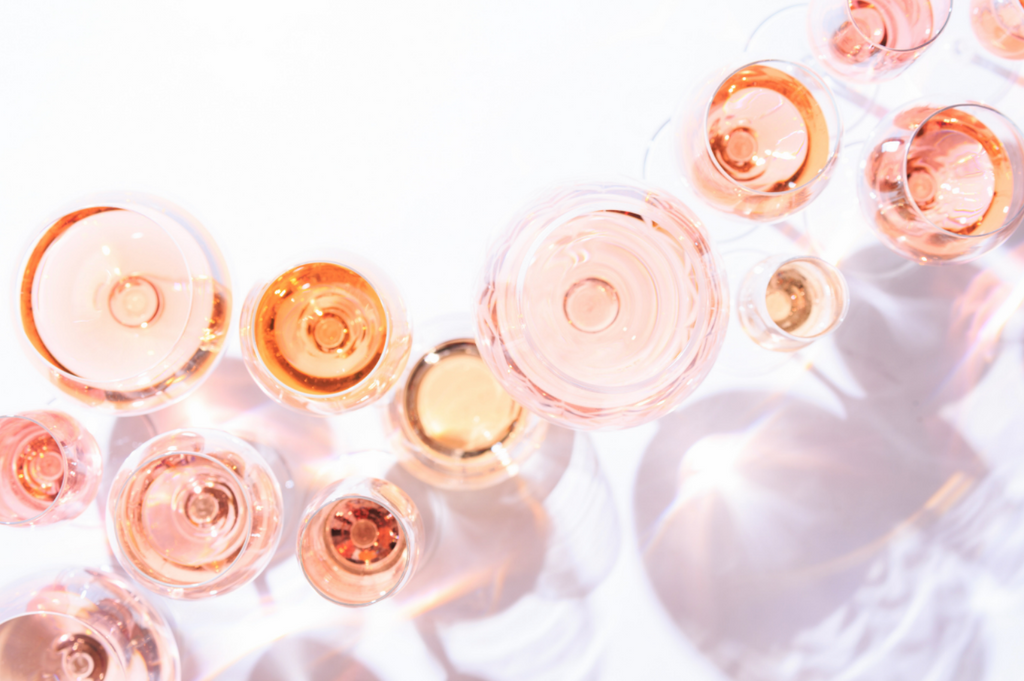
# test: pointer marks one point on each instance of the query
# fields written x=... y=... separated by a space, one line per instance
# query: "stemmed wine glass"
x=123 y=302
x=359 y=541
x=602 y=305
x=83 y=625
x=326 y=335
x=194 y=513
x=50 y=468
x=999 y=26
x=759 y=142
x=943 y=182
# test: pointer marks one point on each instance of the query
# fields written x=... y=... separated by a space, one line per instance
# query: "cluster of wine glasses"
x=603 y=305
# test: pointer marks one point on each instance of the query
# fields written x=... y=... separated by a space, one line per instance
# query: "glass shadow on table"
x=790 y=541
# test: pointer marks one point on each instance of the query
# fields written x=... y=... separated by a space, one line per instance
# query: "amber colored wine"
x=320 y=328
x=365 y=536
x=766 y=130
x=789 y=299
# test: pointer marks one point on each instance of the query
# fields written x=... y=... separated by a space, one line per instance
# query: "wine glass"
x=602 y=305
x=760 y=142
x=943 y=183
x=999 y=26
x=872 y=40
x=787 y=303
x=359 y=540
x=452 y=423
x=326 y=335
x=124 y=302
x=50 y=468
x=194 y=513
x=83 y=625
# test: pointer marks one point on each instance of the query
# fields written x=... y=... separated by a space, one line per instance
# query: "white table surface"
x=856 y=512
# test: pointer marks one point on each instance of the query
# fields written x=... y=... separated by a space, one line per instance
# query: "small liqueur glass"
x=943 y=183
x=452 y=423
x=325 y=336
x=123 y=301
x=872 y=40
x=759 y=142
x=194 y=513
x=602 y=305
x=787 y=303
x=999 y=26
x=360 y=539
x=50 y=468
x=83 y=625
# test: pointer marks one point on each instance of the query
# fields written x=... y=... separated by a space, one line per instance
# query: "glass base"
x=783 y=35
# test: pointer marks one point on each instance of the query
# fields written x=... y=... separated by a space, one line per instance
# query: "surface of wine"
x=892 y=24
x=320 y=328
x=184 y=518
x=766 y=130
x=455 y=405
x=958 y=174
x=999 y=26
x=52 y=647
x=112 y=294
x=789 y=304
x=364 y=535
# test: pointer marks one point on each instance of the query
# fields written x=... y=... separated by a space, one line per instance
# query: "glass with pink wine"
x=872 y=40
x=83 y=625
x=194 y=513
x=759 y=142
x=360 y=539
x=123 y=302
x=603 y=305
x=999 y=26
x=943 y=183
x=50 y=468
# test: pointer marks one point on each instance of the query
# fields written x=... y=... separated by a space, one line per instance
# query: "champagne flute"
x=359 y=541
x=50 y=468
x=760 y=142
x=124 y=302
x=326 y=335
x=943 y=183
x=194 y=513
x=83 y=625
x=787 y=303
x=602 y=305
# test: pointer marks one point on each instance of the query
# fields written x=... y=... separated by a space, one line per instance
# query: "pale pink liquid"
x=193 y=521
x=999 y=26
x=47 y=473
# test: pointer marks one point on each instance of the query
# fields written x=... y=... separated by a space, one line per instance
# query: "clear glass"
x=326 y=335
x=83 y=625
x=50 y=468
x=786 y=304
x=602 y=305
x=123 y=302
x=999 y=26
x=359 y=540
x=943 y=183
x=760 y=141
x=872 y=40
x=452 y=423
x=194 y=513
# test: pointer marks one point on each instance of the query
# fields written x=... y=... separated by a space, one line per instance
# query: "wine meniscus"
x=124 y=302
x=323 y=337
x=943 y=184
x=195 y=513
x=50 y=468
x=359 y=540
x=787 y=303
x=999 y=26
x=760 y=142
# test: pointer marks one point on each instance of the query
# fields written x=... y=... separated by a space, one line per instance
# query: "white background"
x=854 y=513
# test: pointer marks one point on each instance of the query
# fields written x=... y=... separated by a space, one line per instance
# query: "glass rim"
x=849 y=17
x=258 y=297
x=113 y=651
x=32 y=256
x=144 y=577
x=63 y=481
x=918 y=213
x=329 y=500
x=762 y=305
x=835 y=141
